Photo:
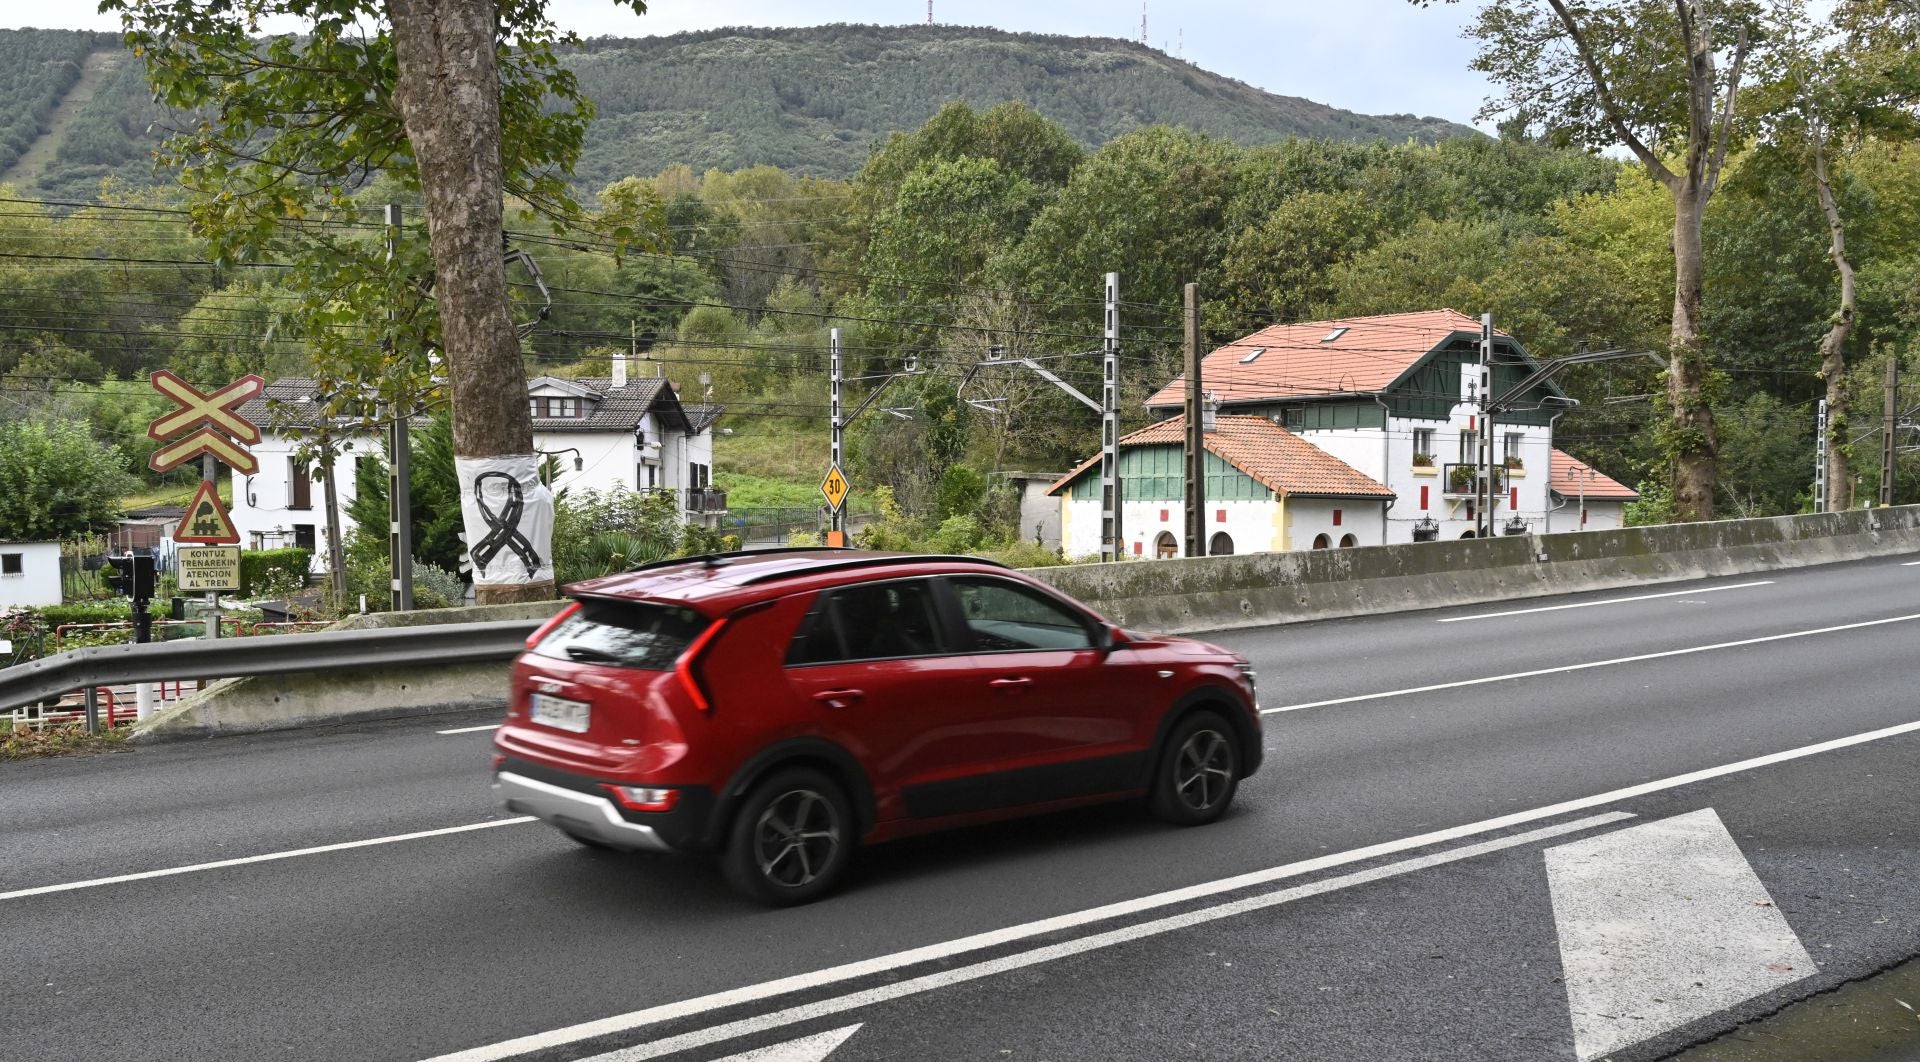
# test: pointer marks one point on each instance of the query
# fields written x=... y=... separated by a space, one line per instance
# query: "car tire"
x=1198 y=772
x=791 y=839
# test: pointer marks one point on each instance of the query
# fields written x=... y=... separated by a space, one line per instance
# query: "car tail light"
x=546 y=628
x=641 y=798
x=684 y=667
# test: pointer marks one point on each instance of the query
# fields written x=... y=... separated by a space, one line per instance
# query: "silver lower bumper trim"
x=590 y=816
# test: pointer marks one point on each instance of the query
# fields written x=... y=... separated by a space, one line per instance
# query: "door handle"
x=839 y=698
x=1011 y=683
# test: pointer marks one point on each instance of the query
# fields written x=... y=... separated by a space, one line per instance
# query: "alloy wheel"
x=796 y=838
x=1203 y=771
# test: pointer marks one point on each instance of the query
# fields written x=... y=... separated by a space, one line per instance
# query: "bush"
x=256 y=564
x=436 y=587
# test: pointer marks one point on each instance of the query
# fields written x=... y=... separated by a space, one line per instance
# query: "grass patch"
x=28 y=743
x=174 y=494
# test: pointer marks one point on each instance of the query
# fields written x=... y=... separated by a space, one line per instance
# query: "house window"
x=1296 y=418
x=1469 y=444
x=699 y=476
x=299 y=484
x=1336 y=518
x=303 y=537
x=1423 y=497
x=1220 y=545
x=536 y=407
x=1512 y=449
x=1423 y=441
x=12 y=563
x=1164 y=547
x=1321 y=542
x=563 y=408
x=257 y=540
x=1348 y=542
x=1513 y=498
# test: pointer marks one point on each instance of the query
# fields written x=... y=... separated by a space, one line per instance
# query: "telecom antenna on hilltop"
x=929 y=12
x=1180 y=47
x=1143 y=22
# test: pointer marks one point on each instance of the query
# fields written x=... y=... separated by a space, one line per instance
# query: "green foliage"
x=274 y=572
x=597 y=534
x=962 y=490
x=433 y=494
x=56 y=481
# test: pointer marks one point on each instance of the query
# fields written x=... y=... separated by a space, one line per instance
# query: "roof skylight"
x=1335 y=334
x=1256 y=352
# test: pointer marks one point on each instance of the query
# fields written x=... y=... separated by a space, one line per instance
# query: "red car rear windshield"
x=624 y=634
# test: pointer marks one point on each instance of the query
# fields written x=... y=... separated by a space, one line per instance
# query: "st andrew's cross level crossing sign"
x=215 y=427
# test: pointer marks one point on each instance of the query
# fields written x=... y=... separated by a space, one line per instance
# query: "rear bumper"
x=593 y=817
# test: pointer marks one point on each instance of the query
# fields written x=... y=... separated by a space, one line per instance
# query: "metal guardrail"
x=112 y=665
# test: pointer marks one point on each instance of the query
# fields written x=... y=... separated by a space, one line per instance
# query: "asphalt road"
x=1410 y=876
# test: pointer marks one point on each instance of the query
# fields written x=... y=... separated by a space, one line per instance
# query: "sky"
x=1372 y=56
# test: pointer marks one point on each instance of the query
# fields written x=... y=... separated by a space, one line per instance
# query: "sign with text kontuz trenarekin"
x=202 y=568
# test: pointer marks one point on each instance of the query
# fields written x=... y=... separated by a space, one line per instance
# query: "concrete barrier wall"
x=1173 y=596
x=280 y=702
x=1217 y=593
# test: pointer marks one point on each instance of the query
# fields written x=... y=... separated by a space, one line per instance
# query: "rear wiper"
x=593 y=656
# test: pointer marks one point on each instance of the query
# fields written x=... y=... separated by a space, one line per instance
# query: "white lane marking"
x=1123 y=935
x=1909 y=564
x=269 y=857
x=1608 y=601
x=885 y=963
x=1661 y=924
x=806 y=1049
x=1589 y=664
x=469 y=729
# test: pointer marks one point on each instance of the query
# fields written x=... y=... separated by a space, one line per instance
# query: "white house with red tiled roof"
x=604 y=434
x=1585 y=500
x=1267 y=490
x=1394 y=398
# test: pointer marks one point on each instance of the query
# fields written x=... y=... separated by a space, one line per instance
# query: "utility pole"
x=1112 y=534
x=1888 y=427
x=1483 y=453
x=1196 y=431
x=399 y=470
x=836 y=518
x=1821 y=489
x=336 y=549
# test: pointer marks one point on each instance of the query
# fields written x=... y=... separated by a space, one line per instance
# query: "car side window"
x=878 y=621
x=1006 y=617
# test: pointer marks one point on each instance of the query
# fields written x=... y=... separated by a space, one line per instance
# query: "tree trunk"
x=1695 y=443
x=448 y=95
x=1833 y=346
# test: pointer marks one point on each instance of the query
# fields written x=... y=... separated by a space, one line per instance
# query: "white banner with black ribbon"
x=508 y=515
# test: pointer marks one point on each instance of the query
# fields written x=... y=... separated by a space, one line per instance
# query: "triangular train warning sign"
x=206 y=522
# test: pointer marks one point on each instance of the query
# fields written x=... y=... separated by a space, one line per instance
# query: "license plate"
x=557 y=713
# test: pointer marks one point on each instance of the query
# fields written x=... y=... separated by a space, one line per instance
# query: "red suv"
x=779 y=707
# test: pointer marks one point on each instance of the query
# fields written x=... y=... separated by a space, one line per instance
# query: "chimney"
x=619 y=370
x=1210 y=412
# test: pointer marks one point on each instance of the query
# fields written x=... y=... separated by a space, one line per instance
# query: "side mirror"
x=1110 y=638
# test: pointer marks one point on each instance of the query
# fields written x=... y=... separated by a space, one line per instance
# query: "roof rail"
x=867 y=562
x=715 y=560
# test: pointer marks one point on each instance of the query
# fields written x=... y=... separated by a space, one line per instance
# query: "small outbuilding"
x=1584 y=499
x=1267 y=490
x=29 y=574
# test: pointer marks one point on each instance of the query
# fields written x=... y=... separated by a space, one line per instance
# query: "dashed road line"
x=1589 y=664
x=1608 y=601
x=167 y=872
x=469 y=729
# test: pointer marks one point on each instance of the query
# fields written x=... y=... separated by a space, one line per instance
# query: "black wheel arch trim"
x=796 y=750
x=1237 y=714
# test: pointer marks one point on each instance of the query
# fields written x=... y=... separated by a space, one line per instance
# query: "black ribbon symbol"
x=503 y=528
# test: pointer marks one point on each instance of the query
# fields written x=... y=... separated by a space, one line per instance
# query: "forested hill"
x=815 y=100
x=806 y=100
